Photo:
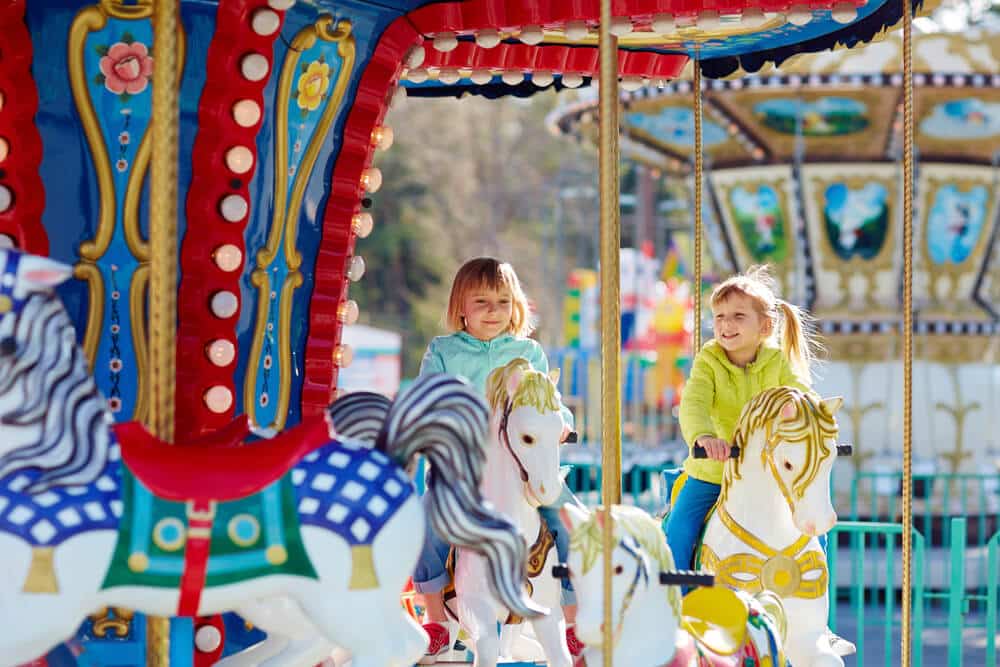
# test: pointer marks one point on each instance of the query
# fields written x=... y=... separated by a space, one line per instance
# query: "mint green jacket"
x=716 y=392
x=472 y=359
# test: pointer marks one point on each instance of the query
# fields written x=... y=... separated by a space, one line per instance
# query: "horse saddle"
x=218 y=466
x=717 y=618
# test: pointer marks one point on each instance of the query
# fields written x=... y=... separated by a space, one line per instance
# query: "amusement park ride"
x=182 y=189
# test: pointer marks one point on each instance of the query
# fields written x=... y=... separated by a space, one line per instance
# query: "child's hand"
x=565 y=433
x=717 y=448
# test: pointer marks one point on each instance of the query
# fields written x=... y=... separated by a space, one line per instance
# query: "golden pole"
x=698 y=191
x=163 y=261
x=611 y=334
x=907 y=330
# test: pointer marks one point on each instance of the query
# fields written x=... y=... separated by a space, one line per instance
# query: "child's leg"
x=430 y=576
x=687 y=518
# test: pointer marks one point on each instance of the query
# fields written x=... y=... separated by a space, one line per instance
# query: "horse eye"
x=8 y=346
x=527 y=439
x=619 y=569
x=788 y=465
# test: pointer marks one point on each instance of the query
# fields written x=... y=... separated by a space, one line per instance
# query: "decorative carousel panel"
x=958 y=123
x=988 y=293
x=670 y=129
x=846 y=120
x=852 y=220
x=958 y=213
x=757 y=210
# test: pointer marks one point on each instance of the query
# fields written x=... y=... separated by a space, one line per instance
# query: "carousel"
x=183 y=201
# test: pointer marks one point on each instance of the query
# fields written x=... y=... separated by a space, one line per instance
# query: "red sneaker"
x=440 y=638
x=575 y=645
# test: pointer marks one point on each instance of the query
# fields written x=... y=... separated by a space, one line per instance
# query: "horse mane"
x=535 y=389
x=587 y=538
x=61 y=402
x=812 y=426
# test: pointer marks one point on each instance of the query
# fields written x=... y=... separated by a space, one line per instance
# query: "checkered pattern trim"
x=50 y=518
x=350 y=490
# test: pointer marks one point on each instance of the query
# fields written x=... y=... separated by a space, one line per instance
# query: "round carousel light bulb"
x=218 y=399
x=572 y=80
x=481 y=77
x=228 y=257
x=356 y=268
x=631 y=83
x=532 y=35
x=280 y=5
x=663 y=23
x=512 y=77
x=239 y=159
x=415 y=56
x=224 y=304
x=382 y=137
x=362 y=224
x=449 y=76
x=246 y=113
x=221 y=352
x=542 y=79
x=576 y=30
x=371 y=179
x=418 y=75
x=7 y=241
x=488 y=38
x=709 y=20
x=234 y=208
x=265 y=22
x=6 y=198
x=4 y=149
x=343 y=355
x=799 y=15
x=445 y=41
x=254 y=67
x=208 y=639
x=844 y=12
x=621 y=26
x=753 y=17
x=348 y=311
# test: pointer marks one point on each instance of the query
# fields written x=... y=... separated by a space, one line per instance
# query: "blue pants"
x=686 y=520
x=430 y=575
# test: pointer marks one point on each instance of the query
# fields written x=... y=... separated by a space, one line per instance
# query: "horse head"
x=788 y=438
x=639 y=600
x=528 y=424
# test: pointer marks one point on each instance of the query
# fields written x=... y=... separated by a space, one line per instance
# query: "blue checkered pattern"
x=349 y=489
x=50 y=518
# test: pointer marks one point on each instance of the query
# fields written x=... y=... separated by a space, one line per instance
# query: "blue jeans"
x=430 y=575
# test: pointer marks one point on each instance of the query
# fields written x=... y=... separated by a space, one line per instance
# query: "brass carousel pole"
x=611 y=334
x=907 y=601
x=698 y=194
x=163 y=261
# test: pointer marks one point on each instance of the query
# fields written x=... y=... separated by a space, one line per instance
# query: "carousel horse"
x=775 y=503
x=521 y=474
x=653 y=627
x=94 y=514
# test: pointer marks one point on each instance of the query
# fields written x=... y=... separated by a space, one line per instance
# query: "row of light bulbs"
x=6 y=196
x=661 y=24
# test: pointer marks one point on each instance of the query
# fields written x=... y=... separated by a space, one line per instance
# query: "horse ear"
x=554 y=375
x=831 y=405
x=572 y=515
x=513 y=381
x=788 y=411
x=42 y=272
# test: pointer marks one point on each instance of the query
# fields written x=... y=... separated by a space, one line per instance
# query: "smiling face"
x=487 y=312
x=739 y=327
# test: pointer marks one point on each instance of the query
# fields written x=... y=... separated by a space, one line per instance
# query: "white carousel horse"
x=521 y=474
x=94 y=516
x=775 y=502
x=653 y=627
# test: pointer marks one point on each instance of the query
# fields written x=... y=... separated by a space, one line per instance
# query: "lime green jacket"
x=715 y=395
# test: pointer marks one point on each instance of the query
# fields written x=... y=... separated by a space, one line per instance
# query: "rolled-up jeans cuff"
x=435 y=585
x=568 y=597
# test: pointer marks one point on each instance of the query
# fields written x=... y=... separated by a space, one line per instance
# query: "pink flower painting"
x=127 y=68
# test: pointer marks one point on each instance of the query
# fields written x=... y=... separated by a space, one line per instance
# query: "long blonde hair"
x=788 y=323
x=492 y=274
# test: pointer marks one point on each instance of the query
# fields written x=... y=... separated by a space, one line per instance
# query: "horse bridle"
x=505 y=439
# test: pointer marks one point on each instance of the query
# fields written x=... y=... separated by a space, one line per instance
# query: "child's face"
x=739 y=328
x=487 y=312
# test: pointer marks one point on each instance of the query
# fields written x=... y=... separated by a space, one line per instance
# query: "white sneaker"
x=840 y=646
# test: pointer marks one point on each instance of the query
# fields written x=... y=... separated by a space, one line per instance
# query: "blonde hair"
x=492 y=274
x=787 y=322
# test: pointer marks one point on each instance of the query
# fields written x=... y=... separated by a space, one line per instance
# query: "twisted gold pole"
x=610 y=306
x=907 y=330
x=163 y=261
x=698 y=192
